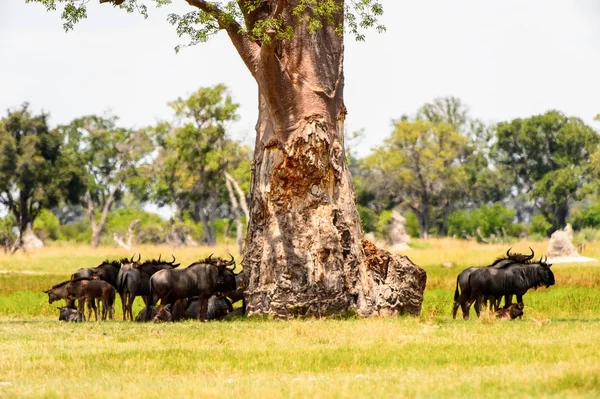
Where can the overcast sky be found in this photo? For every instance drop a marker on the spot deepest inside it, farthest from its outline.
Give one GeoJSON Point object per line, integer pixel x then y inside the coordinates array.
{"type": "Point", "coordinates": [504, 58]}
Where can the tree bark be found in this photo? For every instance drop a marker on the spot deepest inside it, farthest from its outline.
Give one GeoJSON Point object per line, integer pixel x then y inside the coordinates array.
{"type": "Point", "coordinates": [98, 227]}
{"type": "Point", "coordinates": [304, 254]}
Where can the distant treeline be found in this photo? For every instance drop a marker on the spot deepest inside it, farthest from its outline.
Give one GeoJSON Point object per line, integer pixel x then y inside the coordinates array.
{"type": "Point", "coordinates": [448, 173]}
{"type": "Point", "coordinates": [452, 175]}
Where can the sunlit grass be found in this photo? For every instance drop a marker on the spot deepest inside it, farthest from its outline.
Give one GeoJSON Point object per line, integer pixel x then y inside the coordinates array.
{"type": "Point", "coordinates": [552, 352]}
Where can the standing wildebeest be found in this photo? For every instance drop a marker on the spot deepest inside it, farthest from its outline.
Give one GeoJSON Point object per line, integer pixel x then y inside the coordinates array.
{"type": "Point", "coordinates": [134, 280]}
{"type": "Point", "coordinates": [516, 279]}
{"type": "Point", "coordinates": [462, 280]}
{"type": "Point", "coordinates": [201, 279]}
{"type": "Point", "coordinates": [87, 290]}
{"type": "Point", "coordinates": [59, 291]}
{"type": "Point", "coordinates": [106, 271]}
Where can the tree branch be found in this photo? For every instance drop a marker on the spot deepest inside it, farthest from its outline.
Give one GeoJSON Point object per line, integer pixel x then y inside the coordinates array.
{"type": "Point", "coordinates": [240, 193]}
{"type": "Point", "coordinates": [246, 48]}
{"type": "Point", "coordinates": [90, 208]}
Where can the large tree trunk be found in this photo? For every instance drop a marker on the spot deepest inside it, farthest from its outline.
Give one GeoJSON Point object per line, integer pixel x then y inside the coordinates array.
{"type": "Point", "coordinates": [304, 252]}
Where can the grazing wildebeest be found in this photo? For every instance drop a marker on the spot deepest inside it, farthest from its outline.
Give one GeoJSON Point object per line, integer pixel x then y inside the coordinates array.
{"type": "Point", "coordinates": [202, 279]}
{"type": "Point", "coordinates": [87, 290]}
{"type": "Point", "coordinates": [462, 280]}
{"type": "Point", "coordinates": [511, 312]}
{"type": "Point", "coordinates": [68, 314]}
{"type": "Point", "coordinates": [59, 291]}
{"type": "Point", "coordinates": [106, 271]}
{"type": "Point", "coordinates": [515, 279]}
{"type": "Point", "coordinates": [134, 280]}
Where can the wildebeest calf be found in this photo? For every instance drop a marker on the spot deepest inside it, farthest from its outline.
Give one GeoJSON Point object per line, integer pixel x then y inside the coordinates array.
{"type": "Point", "coordinates": [511, 312]}
{"type": "Point", "coordinates": [86, 290]}
{"type": "Point", "coordinates": [58, 292]}
{"type": "Point", "coordinates": [218, 307]}
{"type": "Point", "coordinates": [143, 316]}
{"type": "Point", "coordinates": [68, 314]}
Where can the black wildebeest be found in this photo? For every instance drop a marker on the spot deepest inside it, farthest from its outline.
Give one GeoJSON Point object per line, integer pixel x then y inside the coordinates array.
{"type": "Point", "coordinates": [201, 279]}
{"type": "Point", "coordinates": [134, 280]}
{"type": "Point", "coordinates": [218, 307]}
{"type": "Point", "coordinates": [462, 280]}
{"type": "Point", "coordinates": [515, 279]}
{"type": "Point", "coordinates": [106, 271]}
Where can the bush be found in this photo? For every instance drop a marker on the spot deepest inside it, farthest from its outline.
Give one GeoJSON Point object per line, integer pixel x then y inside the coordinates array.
{"type": "Point", "coordinates": [540, 226]}
{"type": "Point", "coordinates": [368, 218]}
{"type": "Point", "coordinates": [460, 224]}
{"type": "Point", "coordinates": [412, 225]}
{"type": "Point", "coordinates": [46, 225]}
{"type": "Point", "coordinates": [7, 236]}
{"type": "Point", "coordinates": [382, 222]}
{"type": "Point", "coordinates": [491, 221]}
{"type": "Point", "coordinates": [77, 232]}
{"type": "Point", "coordinates": [588, 217]}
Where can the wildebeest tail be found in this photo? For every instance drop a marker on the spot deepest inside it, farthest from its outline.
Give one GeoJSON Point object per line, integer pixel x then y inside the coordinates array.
{"type": "Point", "coordinates": [121, 281]}
{"type": "Point", "coordinates": [456, 291]}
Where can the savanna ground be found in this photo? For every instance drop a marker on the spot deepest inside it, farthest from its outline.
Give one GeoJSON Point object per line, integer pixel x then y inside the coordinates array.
{"type": "Point", "coordinates": [554, 351]}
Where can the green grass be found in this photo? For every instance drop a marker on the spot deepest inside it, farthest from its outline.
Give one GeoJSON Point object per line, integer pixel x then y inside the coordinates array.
{"type": "Point", "coordinates": [552, 352]}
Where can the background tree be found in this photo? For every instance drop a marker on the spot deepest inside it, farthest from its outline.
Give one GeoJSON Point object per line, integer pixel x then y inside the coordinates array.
{"type": "Point", "coordinates": [485, 183]}
{"type": "Point", "coordinates": [547, 157]}
{"type": "Point", "coordinates": [34, 174]}
{"type": "Point", "coordinates": [110, 156]}
{"type": "Point", "coordinates": [193, 154]}
{"type": "Point", "coordinates": [305, 254]}
{"type": "Point", "coordinates": [420, 160]}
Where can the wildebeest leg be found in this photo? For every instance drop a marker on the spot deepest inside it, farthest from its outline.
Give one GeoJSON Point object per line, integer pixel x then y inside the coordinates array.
{"type": "Point", "coordinates": [123, 296]}
{"type": "Point", "coordinates": [507, 300]}
{"type": "Point", "coordinates": [202, 308]}
{"type": "Point", "coordinates": [462, 299]}
{"type": "Point", "coordinates": [520, 300]}
{"type": "Point", "coordinates": [130, 306]}
{"type": "Point", "coordinates": [80, 308]}
{"type": "Point", "coordinates": [478, 302]}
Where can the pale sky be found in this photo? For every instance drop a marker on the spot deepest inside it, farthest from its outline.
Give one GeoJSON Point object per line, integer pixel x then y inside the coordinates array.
{"type": "Point", "coordinates": [504, 58]}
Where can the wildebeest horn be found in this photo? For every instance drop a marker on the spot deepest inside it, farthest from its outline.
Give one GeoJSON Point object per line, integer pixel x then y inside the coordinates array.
{"type": "Point", "coordinates": [530, 256]}
{"type": "Point", "coordinates": [139, 257]}
{"type": "Point", "coordinates": [159, 255]}
{"type": "Point", "coordinates": [210, 256]}
{"type": "Point", "coordinates": [47, 291]}
{"type": "Point", "coordinates": [508, 252]}
{"type": "Point", "coordinates": [231, 262]}
{"type": "Point", "coordinates": [131, 260]}
{"type": "Point", "coordinates": [173, 261]}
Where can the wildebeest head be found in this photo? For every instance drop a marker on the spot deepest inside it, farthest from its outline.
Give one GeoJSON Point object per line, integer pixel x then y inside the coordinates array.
{"type": "Point", "coordinates": [59, 291]}
{"type": "Point", "coordinates": [226, 279]}
{"type": "Point", "coordinates": [163, 314]}
{"type": "Point", "coordinates": [546, 275]}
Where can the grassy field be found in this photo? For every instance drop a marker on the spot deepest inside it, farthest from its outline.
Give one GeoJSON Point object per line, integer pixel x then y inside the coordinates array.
{"type": "Point", "coordinates": [553, 351]}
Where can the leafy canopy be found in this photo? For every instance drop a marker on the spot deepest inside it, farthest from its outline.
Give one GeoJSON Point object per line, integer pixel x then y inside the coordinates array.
{"type": "Point", "coordinates": [259, 20]}
{"type": "Point", "coordinates": [34, 173]}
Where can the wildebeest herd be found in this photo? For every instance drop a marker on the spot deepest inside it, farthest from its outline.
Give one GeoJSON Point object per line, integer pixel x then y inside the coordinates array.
{"type": "Point", "coordinates": [511, 275]}
{"type": "Point", "coordinates": [205, 290]}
